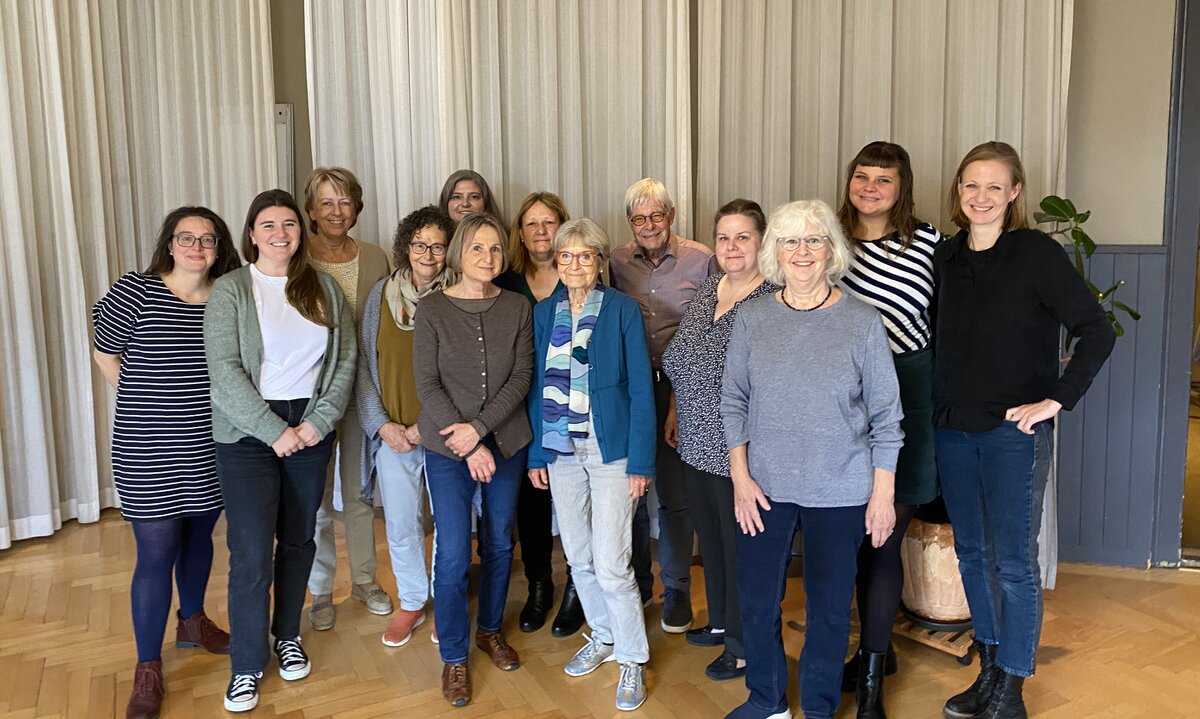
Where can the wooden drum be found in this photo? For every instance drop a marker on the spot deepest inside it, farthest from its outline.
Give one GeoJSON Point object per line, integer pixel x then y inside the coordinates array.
{"type": "Point", "coordinates": [933, 589]}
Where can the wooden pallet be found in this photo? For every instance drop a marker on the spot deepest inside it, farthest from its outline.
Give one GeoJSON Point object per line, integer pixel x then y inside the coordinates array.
{"type": "Point", "coordinates": [956, 643]}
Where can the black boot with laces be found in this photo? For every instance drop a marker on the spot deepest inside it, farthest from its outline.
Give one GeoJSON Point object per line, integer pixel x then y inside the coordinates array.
{"type": "Point", "coordinates": [971, 703]}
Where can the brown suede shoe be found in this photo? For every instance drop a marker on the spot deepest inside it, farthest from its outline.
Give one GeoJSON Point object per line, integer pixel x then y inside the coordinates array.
{"type": "Point", "coordinates": [148, 691]}
{"type": "Point", "coordinates": [502, 655]}
{"type": "Point", "coordinates": [199, 631]}
{"type": "Point", "coordinates": [456, 684]}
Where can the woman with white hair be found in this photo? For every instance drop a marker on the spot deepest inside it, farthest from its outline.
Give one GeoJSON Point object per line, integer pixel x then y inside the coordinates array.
{"type": "Point", "coordinates": [591, 408]}
{"type": "Point", "coordinates": [811, 410]}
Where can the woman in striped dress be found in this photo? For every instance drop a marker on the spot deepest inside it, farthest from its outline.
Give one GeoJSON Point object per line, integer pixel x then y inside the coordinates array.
{"type": "Point", "coordinates": [150, 347]}
{"type": "Point", "coordinates": [893, 272]}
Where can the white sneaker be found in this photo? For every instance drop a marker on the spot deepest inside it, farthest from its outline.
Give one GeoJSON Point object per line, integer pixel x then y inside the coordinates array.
{"type": "Point", "coordinates": [589, 658]}
{"type": "Point", "coordinates": [242, 694]}
{"type": "Point", "coordinates": [631, 687]}
{"type": "Point", "coordinates": [293, 662]}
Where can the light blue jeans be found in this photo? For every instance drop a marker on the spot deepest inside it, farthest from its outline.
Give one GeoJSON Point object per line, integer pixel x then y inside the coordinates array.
{"type": "Point", "coordinates": [595, 523]}
{"type": "Point", "coordinates": [400, 478]}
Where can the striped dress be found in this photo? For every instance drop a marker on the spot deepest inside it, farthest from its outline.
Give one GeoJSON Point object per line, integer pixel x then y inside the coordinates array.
{"type": "Point", "coordinates": [898, 283]}
{"type": "Point", "coordinates": [164, 460]}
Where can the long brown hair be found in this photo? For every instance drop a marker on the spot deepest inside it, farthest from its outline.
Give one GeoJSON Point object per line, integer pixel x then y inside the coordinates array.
{"type": "Point", "coordinates": [303, 289]}
{"type": "Point", "coordinates": [518, 256]}
{"type": "Point", "coordinates": [161, 262]}
{"type": "Point", "coordinates": [1014, 215]}
{"type": "Point", "coordinates": [889, 156]}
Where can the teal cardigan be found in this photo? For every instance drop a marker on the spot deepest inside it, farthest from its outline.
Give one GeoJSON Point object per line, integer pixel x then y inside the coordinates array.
{"type": "Point", "coordinates": [622, 394]}
{"type": "Point", "coordinates": [233, 345]}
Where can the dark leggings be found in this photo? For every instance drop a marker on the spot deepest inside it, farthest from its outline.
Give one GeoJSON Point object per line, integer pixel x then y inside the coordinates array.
{"type": "Point", "coordinates": [184, 545]}
{"type": "Point", "coordinates": [879, 581]}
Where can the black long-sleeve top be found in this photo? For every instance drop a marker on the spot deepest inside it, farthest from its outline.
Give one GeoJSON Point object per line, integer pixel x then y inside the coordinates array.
{"type": "Point", "coordinates": [997, 329]}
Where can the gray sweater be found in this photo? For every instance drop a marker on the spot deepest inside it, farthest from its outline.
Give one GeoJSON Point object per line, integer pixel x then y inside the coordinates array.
{"type": "Point", "coordinates": [815, 396]}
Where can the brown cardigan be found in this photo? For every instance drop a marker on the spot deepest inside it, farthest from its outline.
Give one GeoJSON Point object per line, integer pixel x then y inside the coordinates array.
{"type": "Point", "coordinates": [474, 368]}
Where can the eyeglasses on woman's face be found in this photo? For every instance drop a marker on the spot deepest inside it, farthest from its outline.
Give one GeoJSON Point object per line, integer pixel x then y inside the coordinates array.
{"type": "Point", "coordinates": [586, 258]}
{"type": "Point", "coordinates": [420, 248]}
{"type": "Point", "coordinates": [187, 239]}
{"type": "Point", "coordinates": [813, 243]}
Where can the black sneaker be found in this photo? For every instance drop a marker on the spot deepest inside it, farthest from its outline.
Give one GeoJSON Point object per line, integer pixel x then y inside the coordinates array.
{"type": "Point", "coordinates": [677, 612]}
{"type": "Point", "coordinates": [293, 662]}
{"type": "Point", "coordinates": [242, 694]}
{"type": "Point", "coordinates": [705, 636]}
{"type": "Point", "coordinates": [724, 667]}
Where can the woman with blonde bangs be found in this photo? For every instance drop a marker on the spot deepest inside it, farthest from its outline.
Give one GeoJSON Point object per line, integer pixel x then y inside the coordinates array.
{"type": "Point", "coordinates": [279, 340]}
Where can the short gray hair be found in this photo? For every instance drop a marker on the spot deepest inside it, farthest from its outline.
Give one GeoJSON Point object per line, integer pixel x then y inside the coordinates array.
{"type": "Point", "coordinates": [465, 232]}
{"type": "Point", "coordinates": [585, 232]}
{"type": "Point", "coordinates": [795, 218]}
{"type": "Point", "coordinates": [646, 190]}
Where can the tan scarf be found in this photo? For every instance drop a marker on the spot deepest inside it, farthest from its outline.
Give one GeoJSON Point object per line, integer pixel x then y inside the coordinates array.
{"type": "Point", "coordinates": [402, 294]}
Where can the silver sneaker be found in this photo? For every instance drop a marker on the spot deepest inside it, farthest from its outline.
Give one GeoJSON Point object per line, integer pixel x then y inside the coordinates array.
{"type": "Point", "coordinates": [377, 600]}
{"type": "Point", "coordinates": [588, 659]}
{"type": "Point", "coordinates": [631, 688]}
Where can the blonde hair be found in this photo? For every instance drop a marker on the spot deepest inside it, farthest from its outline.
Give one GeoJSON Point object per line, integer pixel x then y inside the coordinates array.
{"type": "Point", "coordinates": [646, 190]}
{"type": "Point", "coordinates": [465, 232]}
{"type": "Point", "coordinates": [1015, 217]}
{"type": "Point", "coordinates": [795, 218]}
{"type": "Point", "coordinates": [342, 180]}
{"type": "Point", "coordinates": [518, 255]}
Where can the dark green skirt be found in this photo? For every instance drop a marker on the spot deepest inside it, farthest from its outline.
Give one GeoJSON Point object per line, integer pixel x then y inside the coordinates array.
{"type": "Point", "coordinates": [916, 470]}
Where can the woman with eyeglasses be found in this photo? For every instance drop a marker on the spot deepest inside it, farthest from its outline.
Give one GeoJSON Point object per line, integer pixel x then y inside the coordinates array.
{"type": "Point", "coordinates": [279, 338]}
{"type": "Point", "coordinates": [333, 201]}
{"type": "Point", "coordinates": [811, 410]}
{"type": "Point", "coordinates": [393, 461]}
{"type": "Point", "coordinates": [532, 274]}
{"type": "Point", "coordinates": [150, 346]}
{"type": "Point", "coordinates": [695, 362]}
{"type": "Point", "coordinates": [892, 271]}
{"type": "Point", "coordinates": [591, 407]}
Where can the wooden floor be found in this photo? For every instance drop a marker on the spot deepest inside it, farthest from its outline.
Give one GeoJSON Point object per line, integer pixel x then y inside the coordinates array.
{"type": "Point", "coordinates": [1117, 643]}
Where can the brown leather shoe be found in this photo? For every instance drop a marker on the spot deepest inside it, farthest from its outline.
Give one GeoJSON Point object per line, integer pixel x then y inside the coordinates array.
{"type": "Point", "coordinates": [502, 655]}
{"type": "Point", "coordinates": [199, 631]}
{"type": "Point", "coordinates": [146, 699]}
{"type": "Point", "coordinates": [456, 684]}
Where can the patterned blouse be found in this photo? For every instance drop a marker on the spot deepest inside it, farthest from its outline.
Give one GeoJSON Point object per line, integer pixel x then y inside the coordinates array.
{"type": "Point", "coordinates": [695, 362]}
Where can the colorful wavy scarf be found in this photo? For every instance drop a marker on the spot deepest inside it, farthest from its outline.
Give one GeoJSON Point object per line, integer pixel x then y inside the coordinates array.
{"type": "Point", "coordinates": [566, 404]}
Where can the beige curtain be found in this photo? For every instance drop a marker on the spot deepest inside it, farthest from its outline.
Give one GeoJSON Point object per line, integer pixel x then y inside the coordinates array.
{"type": "Point", "coordinates": [788, 93]}
{"type": "Point", "coordinates": [578, 98]}
{"type": "Point", "coordinates": [111, 114]}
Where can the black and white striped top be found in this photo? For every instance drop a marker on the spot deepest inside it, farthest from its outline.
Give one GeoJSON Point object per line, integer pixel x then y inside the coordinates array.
{"type": "Point", "coordinates": [164, 459]}
{"type": "Point", "coordinates": [898, 283]}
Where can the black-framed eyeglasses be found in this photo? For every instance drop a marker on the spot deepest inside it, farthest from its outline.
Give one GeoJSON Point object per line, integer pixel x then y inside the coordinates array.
{"type": "Point", "coordinates": [814, 243]}
{"type": "Point", "coordinates": [419, 248]}
{"type": "Point", "coordinates": [655, 217]}
{"type": "Point", "coordinates": [586, 258]}
{"type": "Point", "coordinates": [187, 239]}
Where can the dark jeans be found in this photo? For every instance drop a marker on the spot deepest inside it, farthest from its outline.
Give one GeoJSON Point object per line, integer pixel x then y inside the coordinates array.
{"type": "Point", "coordinates": [450, 491]}
{"type": "Point", "coordinates": [271, 509]}
{"type": "Point", "coordinates": [181, 546]}
{"type": "Point", "coordinates": [711, 501]}
{"type": "Point", "coordinates": [832, 536]}
{"type": "Point", "coordinates": [994, 483]}
{"type": "Point", "coordinates": [674, 522]}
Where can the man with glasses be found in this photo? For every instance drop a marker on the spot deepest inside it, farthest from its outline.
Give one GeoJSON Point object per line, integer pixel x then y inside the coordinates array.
{"type": "Point", "coordinates": [662, 271]}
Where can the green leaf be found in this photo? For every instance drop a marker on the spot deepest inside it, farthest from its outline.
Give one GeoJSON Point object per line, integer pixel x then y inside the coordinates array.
{"type": "Point", "coordinates": [1082, 217]}
{"type": "Point", "coordinates": [1056, 208]}
{"type": "Point", "coordinates": [1127, 309]}
{"type": "Point", "coordinates": [1079, 237]}
{"type": "Point", "coordinates": [1118, 329]}
{"type": "Point", "coordinates": [1042, 218]}
{"type": "Point", "coordinates": [1110, 290]}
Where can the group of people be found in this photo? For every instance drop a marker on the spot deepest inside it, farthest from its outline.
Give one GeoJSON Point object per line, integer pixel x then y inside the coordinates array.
{"type": "Point", "coordinates": [822, 372]}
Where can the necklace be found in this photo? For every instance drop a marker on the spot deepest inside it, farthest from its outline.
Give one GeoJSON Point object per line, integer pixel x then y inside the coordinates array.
{"type": "Point", "coordinates": [828, 294]}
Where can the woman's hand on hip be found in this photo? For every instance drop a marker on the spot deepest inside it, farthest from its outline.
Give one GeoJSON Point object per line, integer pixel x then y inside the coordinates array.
{"type": "Point", "coordinates": [482, 465]}
{"type": "Point", "coordinates": [460, 438]}
{"type": "Point", "coordinates": [394, 436]}
{"type": "Point", "coordinates": [639, 484]}
{"type": "Point", "coordinates": [540, 478]}
{"type": "Point", "coordinates": [748, 498]}
{"type": "Point", "coordinates": [1028, 415]}
{"type": "Point", "coordinates": [288, 443]}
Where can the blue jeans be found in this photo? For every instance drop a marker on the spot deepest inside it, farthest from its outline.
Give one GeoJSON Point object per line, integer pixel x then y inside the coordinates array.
{"type": "Point", "coordinates": [450, 490]}
{"type": "Point", "coordinates": [832, 536]}
{"type": "Point", "coordinates": [994, 483]}
{"type": "Point", "coordinates": [271, 512]}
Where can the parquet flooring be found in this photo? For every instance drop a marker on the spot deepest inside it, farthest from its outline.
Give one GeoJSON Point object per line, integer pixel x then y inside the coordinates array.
{"type": "Point", "coordinates": [1117, 643]}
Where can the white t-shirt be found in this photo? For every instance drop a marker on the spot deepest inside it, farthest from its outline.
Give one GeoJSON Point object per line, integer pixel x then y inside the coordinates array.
{"type": "Point", "coordinates": [293, 347]}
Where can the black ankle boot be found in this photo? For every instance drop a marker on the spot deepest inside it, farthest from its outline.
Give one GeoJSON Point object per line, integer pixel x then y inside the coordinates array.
{"type": "Point", "coordinates": [570, 614]}
{"type": "Point", "coordinates": [850, 671]}
{"type": "Point", "coordinates": [869, 691]}
{"type": "Point", "coordinates": [541, 600]}
{"type": "Point", "coordinates": [1006, 700]}
{"type": "Point", "coordinates": [971, 703]}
